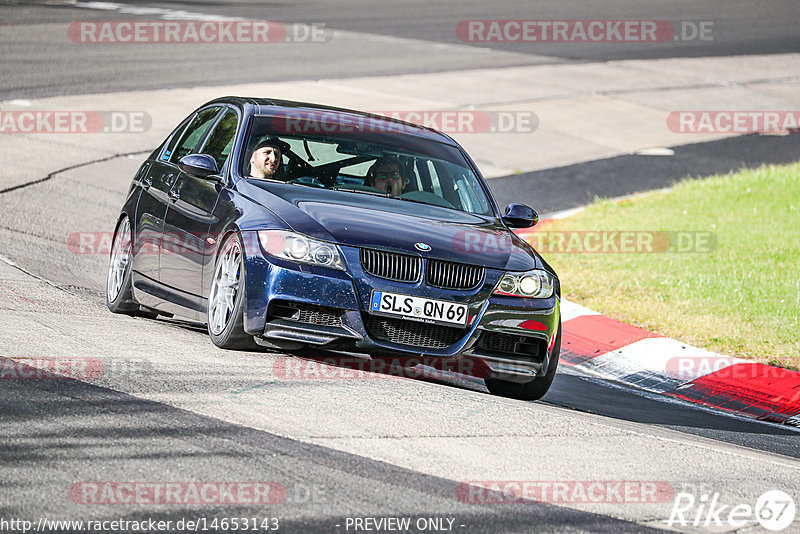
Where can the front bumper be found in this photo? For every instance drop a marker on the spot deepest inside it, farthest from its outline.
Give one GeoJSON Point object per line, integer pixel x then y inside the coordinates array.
{"type": "Point", "coordinates": [507, 337]}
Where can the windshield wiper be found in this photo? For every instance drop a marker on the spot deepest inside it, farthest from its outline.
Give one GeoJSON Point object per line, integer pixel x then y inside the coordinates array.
{"type": "Point", "coordinates": [373, 193]}
{"type": "Point", "coordinates": [415, 201]}
{"type": "Point", "coordinates": [387, 195]}
{"type": "Point", "coordinates": [428, 204]}
{"type": "Point", "coordinates": [289, 182]}
{"type": "Point", "coordinates": [273, 180]}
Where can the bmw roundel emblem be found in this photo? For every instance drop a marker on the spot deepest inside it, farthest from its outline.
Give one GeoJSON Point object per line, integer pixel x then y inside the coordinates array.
{"type": "Point", "coordinates": [424, 247]}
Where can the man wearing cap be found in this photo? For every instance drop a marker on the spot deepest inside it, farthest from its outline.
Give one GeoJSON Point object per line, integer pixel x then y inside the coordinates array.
{"type": "Point", "coordinates": [267, 158]}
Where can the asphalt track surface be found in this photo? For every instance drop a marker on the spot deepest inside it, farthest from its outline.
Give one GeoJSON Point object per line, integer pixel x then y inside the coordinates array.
{"type": "Point", "coordinates": [150, 436]}
{"type": "Point", "coordinates": [409, 37]}
{"type": "Point", "coordinates": [57, 432]}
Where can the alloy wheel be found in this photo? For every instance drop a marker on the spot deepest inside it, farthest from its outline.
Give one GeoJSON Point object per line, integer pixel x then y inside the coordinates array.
{"type": "Point", "coordinates": [224, 287]}
{"type": "Point", "coordinates": [120, 259]}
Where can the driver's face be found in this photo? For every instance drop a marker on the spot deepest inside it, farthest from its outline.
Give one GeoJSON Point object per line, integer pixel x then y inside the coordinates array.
{"type": "Point", "coordinates": [388, 178]}
{"type": "Point", "coordinates": [265, 162]}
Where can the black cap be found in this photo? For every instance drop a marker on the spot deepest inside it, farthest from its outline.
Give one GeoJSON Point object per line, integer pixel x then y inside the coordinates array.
{"type": "Point", "coordinates": [273, 142]}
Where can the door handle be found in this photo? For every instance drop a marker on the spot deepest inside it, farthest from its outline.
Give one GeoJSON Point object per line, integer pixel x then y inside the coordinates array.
{"type": "Point", "coordinates": [146, 183]}
{"type": "Point", "coordinates": [174, 194]}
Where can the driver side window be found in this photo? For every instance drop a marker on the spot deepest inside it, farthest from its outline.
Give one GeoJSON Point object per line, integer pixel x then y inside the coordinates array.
{"type": "Point", "coordinates": [220, 142]}
{"type": "Point", "coordinates": [194, 132]}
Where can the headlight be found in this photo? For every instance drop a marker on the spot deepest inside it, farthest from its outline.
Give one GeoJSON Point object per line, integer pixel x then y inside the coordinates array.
{"type": "Point", "coordinates": [534, 284]}
{"type": "Point", "coordinates": [299, 248]}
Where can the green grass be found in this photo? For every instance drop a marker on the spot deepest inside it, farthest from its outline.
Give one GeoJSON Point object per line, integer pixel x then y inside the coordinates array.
{"type": "Point", "coordinates": [742, 298]}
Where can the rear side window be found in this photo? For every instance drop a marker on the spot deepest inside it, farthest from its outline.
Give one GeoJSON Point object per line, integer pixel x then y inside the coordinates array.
{"type": "Point", "coordinates": [197, 128]}
{"type": "Point", "coordinates": [220, 142]}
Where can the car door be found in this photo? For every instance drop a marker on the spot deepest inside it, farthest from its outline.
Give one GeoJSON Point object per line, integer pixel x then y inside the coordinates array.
{"type": "Point", "coordinates": [187, 245]}
{"type": "Point", "coordinates": [152, 207]}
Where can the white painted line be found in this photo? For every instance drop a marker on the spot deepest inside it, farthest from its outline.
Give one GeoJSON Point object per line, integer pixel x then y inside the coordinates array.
{"type": "Point", "coordinates": [180, 15]}
{"type": "Point", "coordinates": [659, 364]}
{"type": "Point", "coordinates": [596, 378]}
{"type": "Point", "coordinates": [570, 310]}
{"type": "Point", "coordinates": [563, 214]}
{"type": "Point", "coordinates": [655, 151]}
{"type": "Point", "coordinates": [163, 14]}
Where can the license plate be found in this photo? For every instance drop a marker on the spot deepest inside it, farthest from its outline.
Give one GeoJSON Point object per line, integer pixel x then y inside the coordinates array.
{"type": "Point", "coordinates": [418, 308]}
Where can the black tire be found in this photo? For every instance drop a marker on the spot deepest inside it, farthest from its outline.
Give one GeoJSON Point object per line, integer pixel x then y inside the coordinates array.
{"type": "Point", "coordinates": [533, 390]}
{"type": "Point", "coordinates": [121, 300]}
{"type": "Point", "coordinates": [232, 336]}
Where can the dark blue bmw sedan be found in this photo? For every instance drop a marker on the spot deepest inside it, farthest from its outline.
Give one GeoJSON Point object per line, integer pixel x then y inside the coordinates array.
{"type": "Point", "coordinates": [292, 225]}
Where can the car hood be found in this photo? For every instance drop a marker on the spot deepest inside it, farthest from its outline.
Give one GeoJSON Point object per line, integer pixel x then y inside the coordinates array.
{"type": "Point", "coordinates": [368, 221]}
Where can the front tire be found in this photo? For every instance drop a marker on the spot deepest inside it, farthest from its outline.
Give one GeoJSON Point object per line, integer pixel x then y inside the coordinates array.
{"type": "Point", "coordinates": [533, 390]}
{"type": "Point", "coordinates": [119, 297]}
{"type": "Point", "coordinates": [226, 298]}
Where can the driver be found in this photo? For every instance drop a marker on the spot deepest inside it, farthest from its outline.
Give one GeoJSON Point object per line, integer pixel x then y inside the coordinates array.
{"type": "Point", "coordinates": [386, 174]}
{"type": "Point", "coordinates": [267, 158]}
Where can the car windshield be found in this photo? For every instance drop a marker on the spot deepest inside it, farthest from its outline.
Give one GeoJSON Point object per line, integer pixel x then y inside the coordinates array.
{"type": "Point", "coordinates": [388, 164]}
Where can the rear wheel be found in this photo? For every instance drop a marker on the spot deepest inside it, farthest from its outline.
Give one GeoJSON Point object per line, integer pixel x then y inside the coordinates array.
{"type": "Point", "coordinates": [534, 390]}
{"type": "Point", "coordinates": [119, 297]}
{"type": "Point", "coordinates": [226, 298]}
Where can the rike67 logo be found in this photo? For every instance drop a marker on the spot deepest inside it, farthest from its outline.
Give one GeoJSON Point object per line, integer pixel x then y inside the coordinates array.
{"type": "Point", "coordinates": [773, 510]}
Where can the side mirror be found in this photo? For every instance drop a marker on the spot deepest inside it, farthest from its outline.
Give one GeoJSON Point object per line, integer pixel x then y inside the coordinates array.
{"type": "Point", "coordinates": [520, 216]}
{"type": "Point", "coordinates": [200, 166]}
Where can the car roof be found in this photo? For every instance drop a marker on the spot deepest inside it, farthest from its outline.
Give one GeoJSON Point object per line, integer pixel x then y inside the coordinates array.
{"type": "Point", "coordinates": [271, 106]}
